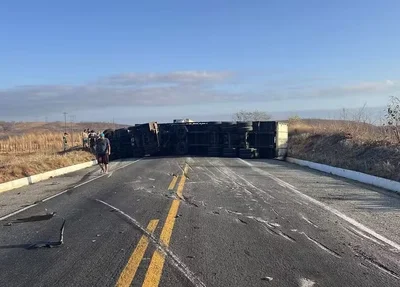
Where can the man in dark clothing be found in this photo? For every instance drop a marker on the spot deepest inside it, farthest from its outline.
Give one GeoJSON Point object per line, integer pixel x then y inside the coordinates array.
{"type": "Point", "coordinates": [103, 150]}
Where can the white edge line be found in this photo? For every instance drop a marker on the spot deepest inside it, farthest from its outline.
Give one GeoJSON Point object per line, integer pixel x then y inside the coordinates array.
{"type": "Point", "coordinates": [60, 193]}
{"type": "Point", "coordinates": [18, 211]}
{"type": "Point", "coordinates": [328, 208]}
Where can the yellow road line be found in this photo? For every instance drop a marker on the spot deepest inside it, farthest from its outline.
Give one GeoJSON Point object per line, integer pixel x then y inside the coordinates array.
{"type": "Point", "coordinates": [153, 274]}
{"type": "Point", "coordinates": [156, 266]}
{"type": "Point", "coordinates": [180, 186]}
{"type": "Point", "coordinates": [127, 275]}
{"type": "Point", "coordinates": [173, 183]}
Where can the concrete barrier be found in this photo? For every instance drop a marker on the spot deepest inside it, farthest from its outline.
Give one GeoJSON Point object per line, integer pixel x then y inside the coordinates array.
{"type": "Point", "coordinates": [6, 186]}
{"type": "Point", "coordinates": [350, 174]}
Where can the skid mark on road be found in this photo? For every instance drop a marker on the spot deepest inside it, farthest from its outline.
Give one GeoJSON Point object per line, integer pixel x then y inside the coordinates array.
{"type": "Point", "coordinates": [322, 246]}
{"type": "Point", "coordinates": [326, 207]}
{"type": "Point", "coordinates": [361, 234]}
{"type": "Point", "coordinates": [382, 268]}
{"type": "Point", "coordinates": [308, 221]}
{"type": "Point", "coordinates": [373, 262]}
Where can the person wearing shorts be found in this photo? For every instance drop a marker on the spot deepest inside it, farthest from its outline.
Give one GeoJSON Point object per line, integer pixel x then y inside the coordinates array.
{"type": "Point", "coordinates": [103, 150]}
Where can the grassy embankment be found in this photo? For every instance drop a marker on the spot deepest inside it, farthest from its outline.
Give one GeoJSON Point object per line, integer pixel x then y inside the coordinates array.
{"type": "Point", "coordinates": [351, 145]}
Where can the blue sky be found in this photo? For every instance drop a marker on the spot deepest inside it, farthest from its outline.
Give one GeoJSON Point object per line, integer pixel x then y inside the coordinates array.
{"type": "Point", "coordinates": [143, 60]}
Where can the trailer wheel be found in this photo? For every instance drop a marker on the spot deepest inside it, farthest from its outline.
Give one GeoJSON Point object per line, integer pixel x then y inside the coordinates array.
{"type": "Point", "coordinates": [181, 148]}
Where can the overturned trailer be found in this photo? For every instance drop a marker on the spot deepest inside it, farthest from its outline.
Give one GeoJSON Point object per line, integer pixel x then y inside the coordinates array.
{"type": "Point", "coordinates": [266, 139]}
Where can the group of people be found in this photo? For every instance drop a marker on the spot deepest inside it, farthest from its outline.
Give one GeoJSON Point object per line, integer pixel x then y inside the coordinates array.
{"type": "Point", "coordinates": [98, 144]}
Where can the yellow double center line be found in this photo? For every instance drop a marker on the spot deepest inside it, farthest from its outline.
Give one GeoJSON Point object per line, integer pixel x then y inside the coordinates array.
{"type": "Point", "coordinates": [127, 275]}
{"type": "Point", "coordinates": [154, 272]}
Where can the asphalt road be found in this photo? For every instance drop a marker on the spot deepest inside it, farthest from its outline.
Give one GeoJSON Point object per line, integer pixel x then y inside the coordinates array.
{"type": "Point", "coordinates": [199, 222]}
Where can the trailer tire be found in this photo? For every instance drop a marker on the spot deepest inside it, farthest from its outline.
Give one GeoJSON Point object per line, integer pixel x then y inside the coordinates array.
{"type": "Point", "coordinates": [181, 148]}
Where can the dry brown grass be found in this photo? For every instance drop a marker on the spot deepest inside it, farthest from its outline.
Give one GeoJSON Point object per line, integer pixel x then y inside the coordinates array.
{"type": "Point", "coordinates": [14, 166]}
{"type": "Point", "coordinates": [28, 148]}
{"type": "Point", "coordinates": [22, 128]}
{"type": "Point", "coordinates": [42, 142]}
{"type": "Point", "coordinates": [347, 144]}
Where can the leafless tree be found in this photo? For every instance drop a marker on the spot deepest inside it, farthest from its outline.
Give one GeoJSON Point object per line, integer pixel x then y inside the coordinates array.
{"type": "Point", "coordinates": [393, 116]}
{"type": "Point", "coordinates": [244, 116]}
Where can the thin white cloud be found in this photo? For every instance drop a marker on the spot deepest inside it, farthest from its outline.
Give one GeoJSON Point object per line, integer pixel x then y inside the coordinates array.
{"type": "Point", "coordinates": [169, 89]}
{"type": "Point", "coordinates": [180, 77]}
{"type": "Point", "coordinates": [175, 88]}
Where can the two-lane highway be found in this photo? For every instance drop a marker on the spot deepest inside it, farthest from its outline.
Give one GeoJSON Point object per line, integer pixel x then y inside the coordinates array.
{"type": "Point", "coordinates": [200, 222]}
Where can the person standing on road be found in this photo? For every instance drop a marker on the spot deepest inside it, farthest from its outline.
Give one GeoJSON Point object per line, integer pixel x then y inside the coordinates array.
{"type": "Point", "coordinates": [65, 141]}
{"type": "Point", "coordinates": [92, 141]}
{"type": "Point", "coordinates": [103, 151]}
{"type": "Point", "coordinates": [85, 139]}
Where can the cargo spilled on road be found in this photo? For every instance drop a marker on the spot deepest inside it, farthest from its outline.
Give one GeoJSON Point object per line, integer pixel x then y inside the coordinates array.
{"type": "Point", "coordinates": [259, 139]}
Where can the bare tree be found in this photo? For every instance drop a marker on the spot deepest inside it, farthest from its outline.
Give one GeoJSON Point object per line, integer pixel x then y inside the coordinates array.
{"type": "Point", "coordinates": [244, 116]}
{"type": "Point", "coordinates": [393, 116]}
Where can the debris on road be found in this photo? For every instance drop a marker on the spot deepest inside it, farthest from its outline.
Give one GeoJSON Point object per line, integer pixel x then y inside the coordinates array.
{"type": "Point", "coordinates": [267, 278]}
{"type": "Point", "coordinates": [47, 216]}
{"type": "Point", "coordinates": [242, 221]}
{"type": "Point", "coordinates": [50, 244]}
{"type": "Point", "coordinates": [165, 250]}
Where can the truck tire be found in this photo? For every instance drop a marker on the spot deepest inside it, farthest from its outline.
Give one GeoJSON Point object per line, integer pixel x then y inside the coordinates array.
{"type": "Point", "coordinates": [181, 148]}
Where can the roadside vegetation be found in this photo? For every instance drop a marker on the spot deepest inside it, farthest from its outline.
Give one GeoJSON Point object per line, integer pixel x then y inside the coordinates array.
{"type": "Point", "coordinates": [355, 142]}
{"type": "Point", "coordinates": [31, 148]}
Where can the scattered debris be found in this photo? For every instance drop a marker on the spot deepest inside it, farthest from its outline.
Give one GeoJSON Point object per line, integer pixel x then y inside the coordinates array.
{"type": "Point", "coordinates": [233, 212]}
{"type": "Point", "coordinates": [35, 218]}
{"type": "Point", "coordinates": [93, 240]}
{"type": "Point", "coordinates": [196, 227]}
{"type": "Point", "coordinates": [178, 215]}
{"type": "Point", "coordinates": [165, 250]}
{"type": "Point", "coordinates": [153, 186]}
{"type": "Point", "coordinates": [267, 278]}
{"type": "Point", "coordinates": [242, 221]}
{"type": "Point", "coordinates": [304, 282]}
{"type": "Point", "coordinates": [216, 212]}
{"type": "Point", "coordinates": [189, 256]}
{"type": "Point", "coordinates": [50, 244]}
{"type": "Point", "coordinates": [98, 235]}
